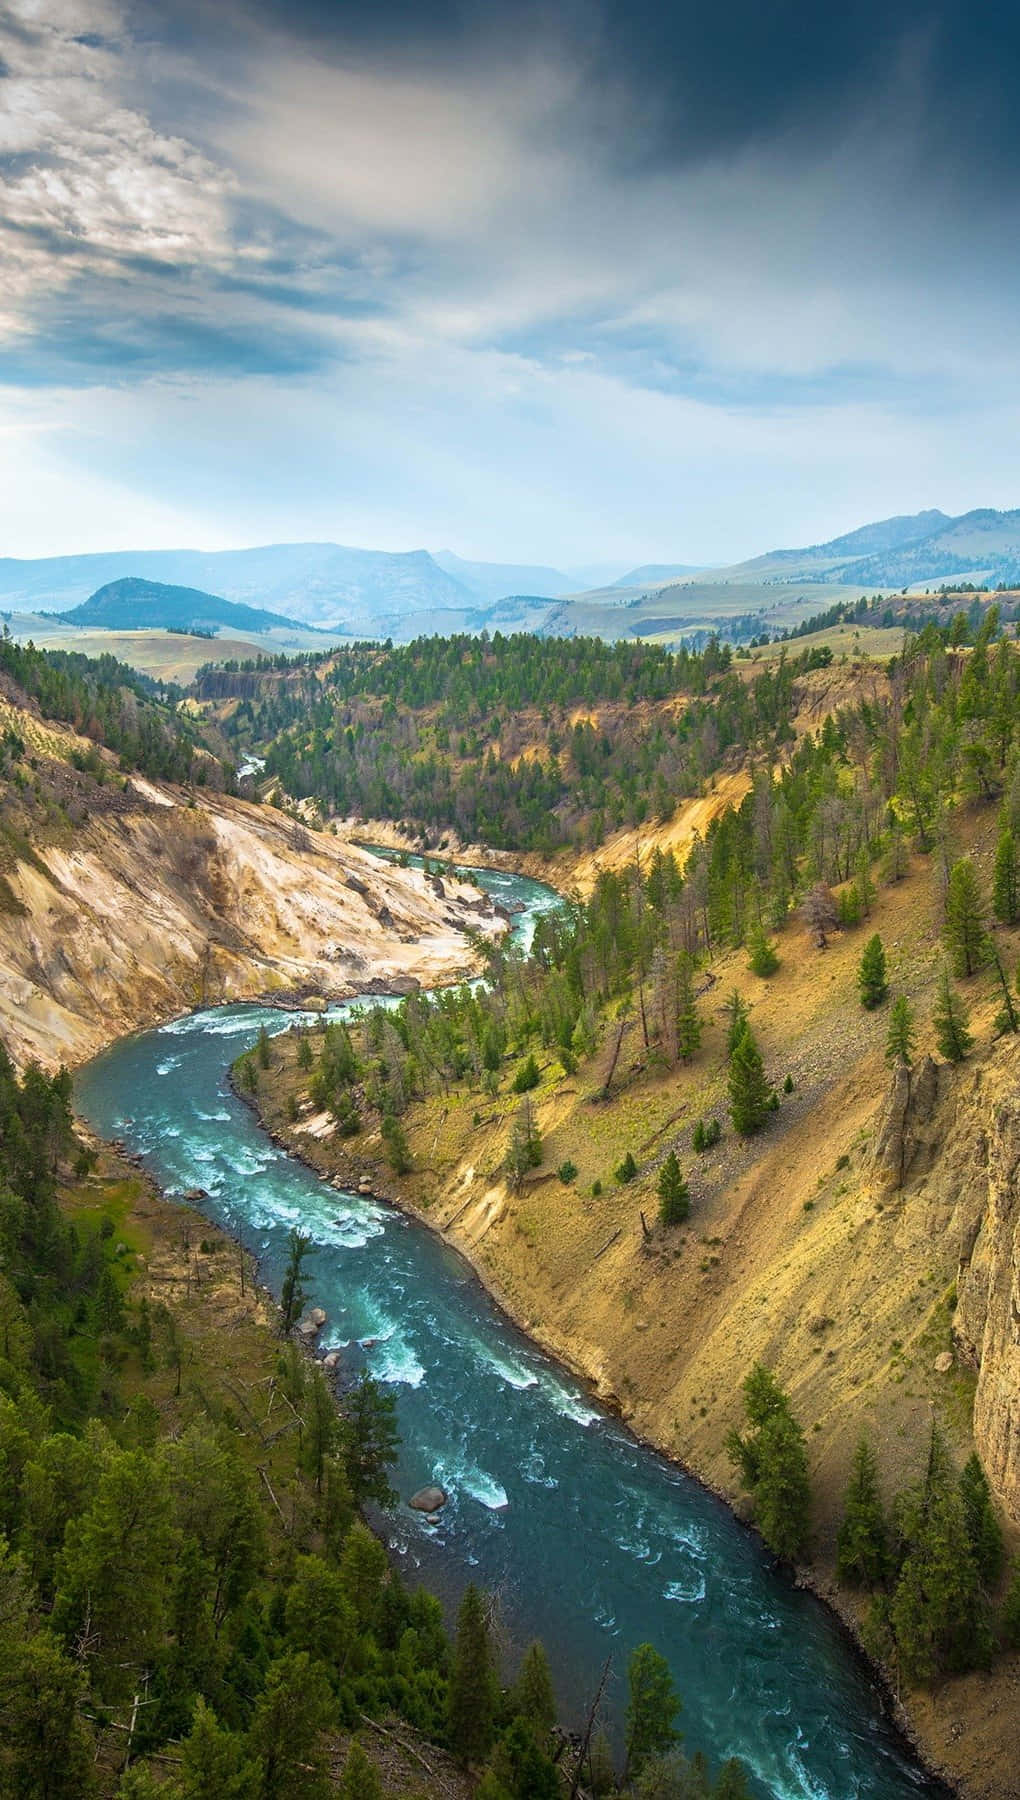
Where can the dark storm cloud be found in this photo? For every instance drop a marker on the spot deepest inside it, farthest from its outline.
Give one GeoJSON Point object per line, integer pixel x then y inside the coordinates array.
{"type": "Point", "coordinates": [558, 268]}
{"type": "Point", "coordinates": [705, 79]}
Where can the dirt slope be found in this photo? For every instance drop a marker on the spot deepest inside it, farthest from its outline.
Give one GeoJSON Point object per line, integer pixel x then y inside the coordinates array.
{"type": "Point", "coordinates": [801, 1251]}
{"type": "Point", "coordinates": [157, 900]}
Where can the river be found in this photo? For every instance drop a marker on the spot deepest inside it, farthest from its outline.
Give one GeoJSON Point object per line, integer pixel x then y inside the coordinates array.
{"type": "Point", "coordinates": [593, 1542]}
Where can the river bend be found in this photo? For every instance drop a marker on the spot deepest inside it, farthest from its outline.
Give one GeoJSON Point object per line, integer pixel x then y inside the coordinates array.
{"type": "Point", "coordinates": [593, 1542]}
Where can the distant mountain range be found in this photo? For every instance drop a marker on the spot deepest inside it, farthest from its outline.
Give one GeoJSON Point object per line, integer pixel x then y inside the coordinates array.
{"type": "Point", "coordinates": [360, 592]}
{"type": "Point", "coordinates": [489, 582]}
{"type": "Point", "coordinates": [903, 551]}
{"type": "Point", "coordinates": [134, 604]}
{"type": "Point", "coordinates": [381, 593]}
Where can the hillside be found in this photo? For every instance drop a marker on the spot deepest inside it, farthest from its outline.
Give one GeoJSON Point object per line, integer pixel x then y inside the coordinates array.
{"type": "Point", "coordinates": [517, 744]}
{"type": "Point", "coordinates": [846, 1236]}
{"type": "Point", "coordinates": [160, 1505]}
{"type": "Point", "coordinates": [805, 1249]}
{"type": "Point", "coordinates": [366, 593]}
{"type": "Point", "coordinates": [490, 581]}
{"type": "Point", "coordinates": [654, 574]}
{"type": "Point", "coordinates": [374, 593]}
{"type": "Point", "coordinates": [125, 898]}
{"type": "Point", "coordinates": [135, 604]}
{"type": "Point", "coordinates": [899, 552]}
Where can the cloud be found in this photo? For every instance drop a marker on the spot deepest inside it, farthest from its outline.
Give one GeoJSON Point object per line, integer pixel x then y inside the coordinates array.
{"type": "Point", "coordinates": [87, 186]}
{"type": "Point", "coordinates": [595, 279]}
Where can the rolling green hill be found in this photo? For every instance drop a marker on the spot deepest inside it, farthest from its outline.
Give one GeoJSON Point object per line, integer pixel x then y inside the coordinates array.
{"type": "Point", "coordinates": [134, 604]}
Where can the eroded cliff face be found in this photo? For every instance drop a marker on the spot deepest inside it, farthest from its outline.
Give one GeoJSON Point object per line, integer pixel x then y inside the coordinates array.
{"type": "Point", "coordinates": [166, 904]}
{"type": "Point", "coordinates": [988, 1316]}
{"type": "Point", "coordinates": [949, 1139]}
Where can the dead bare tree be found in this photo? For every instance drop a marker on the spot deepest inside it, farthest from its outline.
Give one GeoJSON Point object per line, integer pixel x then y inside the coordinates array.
{"type": "Point", "coordinates": [620, 1030]}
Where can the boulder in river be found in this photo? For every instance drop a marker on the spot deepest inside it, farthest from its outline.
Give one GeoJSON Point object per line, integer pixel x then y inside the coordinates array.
{"type": "Point", "coordinates": [428, 1499]}
{"type": "Point", "coordinates": [312, 1323]}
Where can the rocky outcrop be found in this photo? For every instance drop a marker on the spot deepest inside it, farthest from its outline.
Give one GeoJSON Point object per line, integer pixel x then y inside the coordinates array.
{"type": "Point", "coordinates": [909, 1130]}
{"type": "Point", "coordinates": [428, 1499]}
{"type": "Point", "coordinates": [164, 902]}
{"type": "Point", "coordinates": [988, 1314]}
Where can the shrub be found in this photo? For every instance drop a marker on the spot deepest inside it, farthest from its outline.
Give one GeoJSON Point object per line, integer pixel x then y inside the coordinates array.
{"type": "Point", "coordinates": [674, 1194]}
{"type": "Point", "coordinates": [527, 1077]}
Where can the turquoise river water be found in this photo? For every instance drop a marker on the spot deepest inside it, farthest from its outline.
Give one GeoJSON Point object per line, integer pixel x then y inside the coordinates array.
{"type": "Point", "coordinates": [593, 1542]}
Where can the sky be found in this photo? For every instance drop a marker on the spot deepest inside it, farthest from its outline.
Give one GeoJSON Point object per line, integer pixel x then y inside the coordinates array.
{"type": "Point", "coordinates": [564, 282]}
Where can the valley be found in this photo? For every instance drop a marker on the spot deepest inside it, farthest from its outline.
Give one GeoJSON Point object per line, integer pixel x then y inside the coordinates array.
{"type": "Point", "coordinates": [850, 1242]}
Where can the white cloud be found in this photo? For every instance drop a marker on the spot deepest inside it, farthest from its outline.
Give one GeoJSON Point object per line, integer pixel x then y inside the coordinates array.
{"type": "Point", "coordinates": [520, 391]}
{"type": "Point", "coordinates": [93, 184]}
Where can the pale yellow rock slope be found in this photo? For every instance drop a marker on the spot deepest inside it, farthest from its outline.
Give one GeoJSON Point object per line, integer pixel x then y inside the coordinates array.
{"type": "Point", "coordinates": [172, 901]}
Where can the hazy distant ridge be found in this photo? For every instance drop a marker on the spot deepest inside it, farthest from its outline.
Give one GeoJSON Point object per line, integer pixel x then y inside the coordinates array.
{"type": "Point", "coordinates": [381, 593]}
{"type": "Point", "coordinates": [134, 604]}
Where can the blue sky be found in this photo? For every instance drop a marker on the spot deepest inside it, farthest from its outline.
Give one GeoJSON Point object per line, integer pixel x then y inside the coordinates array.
{"type": "Point", "coordinates": [561, 282]}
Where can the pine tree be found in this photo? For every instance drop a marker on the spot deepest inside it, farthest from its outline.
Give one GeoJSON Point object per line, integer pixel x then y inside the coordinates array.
{"type": "Point", "coordinates": [292, 1292]}
{"type": "Point", "coordinates": [626, 1170]}
{"type": "Point", "coordinates": [46, 1747]}
{"type": "Point", "coordinates": [114, 1569]}
{"type": "Point", "coordinates": [773, 1464]}
{"type": "Point", "coordinates": [360, 1780]}
{"type": "Point", "coordinates": [370, 1440]}
{"type": "Point", "coordinates": [762, 958]}
{"type": "Point", "coordinates": [363, 1572]}
{"type": "Point", "coordinates": [894, 863]}
{"type": "Point", "coordinates": [864, 882]}
{"type": "Point", "coordinates": [732, 1782]}
{"type": "Point", "coordinates": [736, 1018]}
{"type": "Point", "coordinates": [1011, 1608]}
{"type": "Point", "coordinates": [688, 1019]}
{"type": "Point", "coordinates": [966, 932]}
{"type": "Point", "coordinates": [524, 1146]}
{"type": "Point", "coordinates": [1006, 880]}
{"type": "Point", "coordinates": [214, 1762]}
{"type": "Point", "coordinates": [1006, 1019]}
{"type": "Point", "coordinates": [951, 1019]}
{"type": "Point", "coordinates": [862, 1545]}
{"type": "Point", "coordinates": [398, 1152]}
{"type": "Point", "coordinates": [263, 1048]}
{"type": "Point", "coordinates": [602, 1766]}
{"type": "Point", "coordinates": [531, 1696]}
{"type": "Point", "coordinates": [871, 973]}
{"type": "Point", "coordinates": [520, 1768]}
{"type": "Point", "coordinates": [899, 1044]}
{"type": "Point", "coordinates": [472, 1693]}
{"type": "Point", "coordinates": [652, 1706]}
{"type": "Point", "coordinates": [782, 1494]}
{"type": "Point", "coordinates": [983, 1528]}
{"type": "Point", "coordinates": [291, 1714]}
{"type": "Point", "coordinates": [937, 1613]}
{"type": "Point", "coordinates": [318, 1612]}
{"type": "Point", "coordinates": [748, 1089]}
{"type": "Point", "coordinates": [674, 1194]}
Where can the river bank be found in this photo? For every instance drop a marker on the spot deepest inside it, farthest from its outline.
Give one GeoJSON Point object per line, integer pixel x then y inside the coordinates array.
{"type": "Point", "coordinates": [459, 1203]}
{"type": "Point", "coordinates": [163, 903]}
{"type": "Point", "coordinates": [517, 1446]}
{"type": "Point", "coordinates": [335, 1162]}
{"type": "Point", "coordinates": [532, 1251]}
